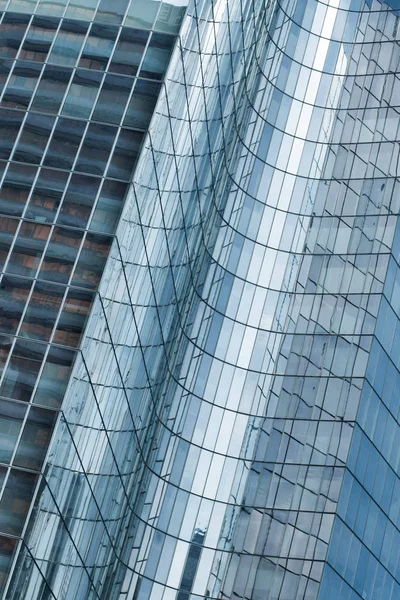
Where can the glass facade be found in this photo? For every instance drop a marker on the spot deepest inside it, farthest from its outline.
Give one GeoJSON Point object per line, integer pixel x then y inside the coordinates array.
{"type": "Point", "coordinates": [199, 300]}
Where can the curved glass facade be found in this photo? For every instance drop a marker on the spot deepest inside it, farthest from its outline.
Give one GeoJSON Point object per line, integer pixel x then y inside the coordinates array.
{"type": "Point", "coordinates": [199, 397]}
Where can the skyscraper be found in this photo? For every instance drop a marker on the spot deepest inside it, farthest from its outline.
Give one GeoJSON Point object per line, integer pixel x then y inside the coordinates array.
{"type": "Point", "coordinates": [199, 307]}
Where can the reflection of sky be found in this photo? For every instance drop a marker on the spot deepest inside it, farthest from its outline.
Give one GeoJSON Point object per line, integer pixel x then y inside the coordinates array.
{"type": "Point", "coordinates": [392, 3]}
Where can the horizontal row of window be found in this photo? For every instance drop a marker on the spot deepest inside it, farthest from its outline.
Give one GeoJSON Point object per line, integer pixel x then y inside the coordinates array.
{"type": "Point", "coordinates": [72, 45]}
{"type": "Point", "coordinates": [162, 16]}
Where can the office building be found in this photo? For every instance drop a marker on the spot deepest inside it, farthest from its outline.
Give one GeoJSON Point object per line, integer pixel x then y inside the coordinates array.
{"type": "Point", "coordinates": [199, 299]}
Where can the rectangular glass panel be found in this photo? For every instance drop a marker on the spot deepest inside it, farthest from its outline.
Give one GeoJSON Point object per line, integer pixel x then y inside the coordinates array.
{"type": "Point", "coordinates": [111, 12]}
{"type": "Point", "coordinates": [68, 43]}
{"type": "Point", "coordinates": [73, 318]}
{"type": "Point", "coordinates": [157, 57]}
{"type": "Point", "coordinates": [28, 249]}
{"type": "Point", "coordinates": [64, 144]}
{"type": "Point", "coordinates": [142, 13]}
{"type": "Point", "coordinates": [108, 207]}
{"type": "Point", "coordinates": [42, 311]}
{"type": "Point", "coordinates": [35, 438]}
{"type": "Point", "coordinates": [15, 189]}
{"type": "Point", "coordinates": [12, 31]}
{"type": "Point", "coordinates": [98, 47]}
{"type": "Point", "coordinates": [21, 84]}
{"type": "Point", "coordinates": [129, 51]}
{"type": "Point", "coordinates": [125, 154]}
{"type": "Point", "coordinates": [10, 122]}
{"type": "Point", "coordinates": [112, 99]}
{"type": "Point", "coordinates": [61, 254]}
{"type": "Point", "coordinates": [7, 550]}
{"type": "Point", "coordinates": [8, 228]}
{"type": "Point", "coordinates": [92, 260]}
{"type": "Point", "coordinates": [11, 416]}
{"type": "Point", "coordinates": [16, 501]}
{"type": "Point", "coordinates": [46, 195]}
{"type": "Point", "coordinates": [38, 39]}
{"type": "Point", "coordinates": [82, 94]}
{"type": "Point", "coordinates": [13, 295]}
{"type": "Point", "coordinates": [96, 149]}
{"type": "Point", "coordinates": [34, 137]}
{"type": "Point", "coordinates": [54, 378]}
{"type": "Point", "coordinates": [51, 90]}
{"type": "Point", "coordinates": [142, 104]}
{"type": "Point", "coordinates": [78, 202]}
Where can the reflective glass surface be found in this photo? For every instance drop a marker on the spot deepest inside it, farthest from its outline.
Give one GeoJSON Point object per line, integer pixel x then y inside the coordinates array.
{"type": "Point", "coordinates": [200, 297]}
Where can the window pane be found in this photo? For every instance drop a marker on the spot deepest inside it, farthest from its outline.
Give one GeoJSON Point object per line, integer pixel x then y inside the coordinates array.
{"type": "Point", "coordinates": [112, 99]}
{"type": "Point", "coordinates": [157, 56]}
{"type": "Point", "coordinates": [15, 189]}
{"type": "Point", "coordinates": [61, 254]}
{"type": "Point", "coordinates": [142, 104]}
{"type": "Point", "coordinates": [64, 144]}
{"type": "Point", "coordinates": [78, 202]}
{"type": "Point", "coordinates": [10, 122]}
{"type": "Point", "coordinates": [16, 501]}
{"type": "Point", "coordinates": [125, 154]}
{"type": "Point", "coordinates": [7, 549]}
{"type": "Point", "coordinates": [54, 378]}
{"type": "Point", "coordinates": [109, 206]}
{"type": "Point", "coordinates": [51, 90]}
{"type": "Point", "coordinates": [12, 31]}
{"type": "Point", "coordinates": [73, 318]}
{"type": "Point", "coordinates": [142, 13]}
{"type": "Point", "coordinates": [96, 149]}
{"type": "Point", "coordinates": [81, 9]}
{"type": "Point", "coordinates": [42, 311]}
{"type": "Point", "coordinates": [46, 195]}
{"type": "Point", "coordinates": [98, 47]}
{"type": "Point", "coordinates": [38, 39]}
{"type": "Point", "coordinates": [129, 51]}
{"type": "Point", "coordinates": [28, 249]}
{"type": "Point", "coordinates": [82, 94]}
{"type": "Point", "coordinates": [68, 43]}
{"type": "Point", "coordinates": [8, 228]}
{"type": "Point", "coordinates": [111, 12]}
{"type": "Point", "coordinates": [11, 417]}
{"type": "Point", "coordinates": [22, 370]}
{"type": "Point", "coordinates": [33, 140]}
{"type": "Point", "coordinates": [21, 85]}
{"type": "Point", "coordinates": [13, 295]}
{"type": "Point", "coordinates": [35, 438]}
{"type": "Point", "coordinates": [92, 260]}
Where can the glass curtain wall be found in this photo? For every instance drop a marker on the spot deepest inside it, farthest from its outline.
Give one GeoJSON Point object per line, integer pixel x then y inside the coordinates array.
{"type": "Point", "coordinates": [230, 426]}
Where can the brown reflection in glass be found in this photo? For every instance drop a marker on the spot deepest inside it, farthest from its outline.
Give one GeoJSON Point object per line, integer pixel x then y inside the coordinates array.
{"type": "Point", "coordinates": [13, 295]}
{"type": "Point", "coordinates": [55, 376]}
{"type": "Point", "coordinates": [92, 259]}
{"type": "Point", "coordinates": [42, 311]}
{"type": "Point", "coordinates": [35, 438]}
{"type": "Point", "coordinates": [16, 501]}
{"type": "Point", "coordinates": [61, 254]}
{"type": "Point", "coordinates": [28, 249]}
{"type": "Point", "coordinates": [8, 228]}
{"type": "Point", "coordinates": [73, 318]}
{"type": "Point", "coordinates": [46, 195]}
{"type": "Point", "coordinates": [38, 39]}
